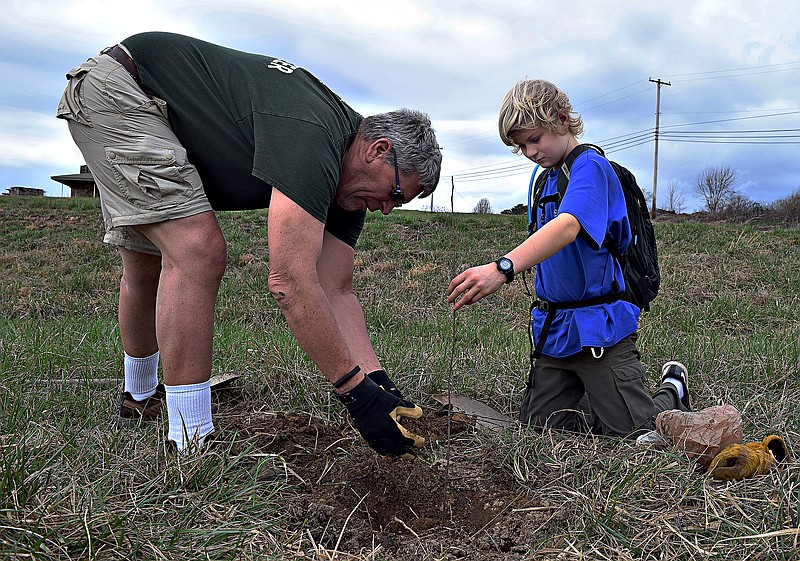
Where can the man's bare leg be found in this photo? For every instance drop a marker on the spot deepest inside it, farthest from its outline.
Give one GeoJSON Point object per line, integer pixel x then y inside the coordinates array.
{"type": "Point", "coordinates": [193, 259]}
{"type": "Point", "coordinates": [137, 302]}
{"type": "Point", "coordinates": [137, 321]}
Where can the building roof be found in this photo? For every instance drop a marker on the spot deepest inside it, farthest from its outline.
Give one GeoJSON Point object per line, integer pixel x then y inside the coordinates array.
{"type": "Point", "coordinates": [73, 178]}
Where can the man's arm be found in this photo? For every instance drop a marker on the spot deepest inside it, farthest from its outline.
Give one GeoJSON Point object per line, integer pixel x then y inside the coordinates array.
{"type": "Point", "coordinates": [335, 272]}
{"type": "Point", "coordinates": [296, 252]}
{"type": "Point", "coordinates": [295, 249]}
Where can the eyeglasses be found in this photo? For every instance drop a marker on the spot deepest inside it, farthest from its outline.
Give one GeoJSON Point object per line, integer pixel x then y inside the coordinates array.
{"type": "Point", "coordinates": [397, 193]}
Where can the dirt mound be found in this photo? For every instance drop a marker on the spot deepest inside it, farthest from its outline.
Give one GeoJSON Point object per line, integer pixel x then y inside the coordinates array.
{"type": "Point", "coordinates": [347, 498]}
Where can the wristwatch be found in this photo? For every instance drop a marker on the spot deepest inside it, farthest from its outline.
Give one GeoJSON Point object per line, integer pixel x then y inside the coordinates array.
{"type": "Point", "coordinates": [506, 266]}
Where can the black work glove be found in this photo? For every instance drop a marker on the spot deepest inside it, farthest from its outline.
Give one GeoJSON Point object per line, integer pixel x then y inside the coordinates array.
{"type": "Point", "coordinates": [382, 379]}
{"type": "Point", "coordinates": [375, 413]}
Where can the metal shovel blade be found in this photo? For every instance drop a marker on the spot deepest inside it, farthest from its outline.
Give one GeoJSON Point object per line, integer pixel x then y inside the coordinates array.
{"type": "Point", "coordinates": [219, 381]}
{"type": "Point", "coordinates": [486, 417]}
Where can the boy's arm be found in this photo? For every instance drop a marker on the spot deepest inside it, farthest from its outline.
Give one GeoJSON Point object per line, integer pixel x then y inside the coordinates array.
{"type": "Point", "coordinates": [477, 282]}
{"type": "Point", "coordinates": [546, 241]}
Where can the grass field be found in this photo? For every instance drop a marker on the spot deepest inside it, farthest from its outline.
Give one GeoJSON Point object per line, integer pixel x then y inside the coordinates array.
{"type": "Point", "coordinates": [72, 487]}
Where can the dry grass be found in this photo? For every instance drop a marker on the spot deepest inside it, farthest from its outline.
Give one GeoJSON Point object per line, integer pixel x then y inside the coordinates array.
{"type": "Point", "coordinates": [73, 488]}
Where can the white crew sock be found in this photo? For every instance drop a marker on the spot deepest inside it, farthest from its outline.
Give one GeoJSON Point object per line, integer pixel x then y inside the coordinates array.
{"type": "Point", "coordinates": [189, 412]}
{"type": "Point", "coordinates": [678, 385]}
{"type": "Point", "coordinates": [141, 376]}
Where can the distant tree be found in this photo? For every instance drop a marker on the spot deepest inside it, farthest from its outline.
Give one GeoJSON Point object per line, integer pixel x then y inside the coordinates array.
{"type": "Point", "coordinates": [439, 208]}
{"type": "Point", "coordinates": [715, 185]}
{"type": "Point", "coordinates": [516, 209]}
{"type": "Point", "coordinates": [676, 198]}
{"type": "Point", "coordinates": [648, 195]}
{"type": "Point", "coordinates": [483, 207]}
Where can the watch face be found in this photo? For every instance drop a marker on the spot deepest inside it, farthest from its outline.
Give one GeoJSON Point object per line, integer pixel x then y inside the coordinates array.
{"type": "Point", "coordinates": [505, 264]}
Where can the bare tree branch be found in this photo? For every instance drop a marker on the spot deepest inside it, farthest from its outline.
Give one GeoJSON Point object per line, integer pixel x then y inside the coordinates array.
{"type": "Point", "coordinates": [483, 207]}
{"type": "Point", "coordinates": [715, 185]}
{"type": "Point", "coordinates": [676, 198]}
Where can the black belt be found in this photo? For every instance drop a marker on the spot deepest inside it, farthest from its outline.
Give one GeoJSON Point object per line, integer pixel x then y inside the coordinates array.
{"type": "Point", "coordinates": [121, 56]}
{"type": "Point", "coordinates": [551, 307]}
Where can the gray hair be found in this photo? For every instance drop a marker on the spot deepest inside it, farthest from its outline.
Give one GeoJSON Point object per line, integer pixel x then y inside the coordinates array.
{"type": "Point", "coordinates": [533, 104]}
{"type": "Point", "coordinates": [414, 141]}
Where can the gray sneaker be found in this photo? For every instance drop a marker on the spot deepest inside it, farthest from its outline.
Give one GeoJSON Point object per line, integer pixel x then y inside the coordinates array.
{"type": "Point", "coordinates": [651, 438]}
{"type": "Point", "coordinates": [677, 371]}
{"type": "Point", "coordinates": [133, 413]}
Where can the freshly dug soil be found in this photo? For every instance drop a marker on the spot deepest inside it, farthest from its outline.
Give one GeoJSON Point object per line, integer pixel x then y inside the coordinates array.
{"type": "Point", "coordinates": [349, 499]}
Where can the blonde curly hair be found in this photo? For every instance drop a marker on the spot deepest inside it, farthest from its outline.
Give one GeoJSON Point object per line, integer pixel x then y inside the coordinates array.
{"type": "Point", "coordinates": [533, 104]}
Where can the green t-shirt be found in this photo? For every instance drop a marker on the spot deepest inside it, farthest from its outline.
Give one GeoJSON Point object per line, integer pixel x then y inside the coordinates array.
{"type": "Point", "coordinates": [249, 122]}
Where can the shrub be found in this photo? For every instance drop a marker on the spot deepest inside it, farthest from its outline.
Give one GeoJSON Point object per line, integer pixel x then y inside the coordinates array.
{"type": "Point", "coordinates": [739, 208]}
{"type": "Point", "coordinates": [787, 210]}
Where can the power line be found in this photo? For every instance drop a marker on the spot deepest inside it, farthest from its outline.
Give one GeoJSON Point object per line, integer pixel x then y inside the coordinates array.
{"type": "Point", "coordinates": [638, 138]}
{"type": "Point", "coordinates": [735, 69]}
{"type": "Point", "coordinates": [733, 119]}
{"type": "Point", "coordinates": [613, 101]}
{"type": "Point", "coordinates": [732, 142]}
{"type": "Point", "coordinates": [641, 137]}
{"type": "Point", "coordinates": [734, 131]}
{"type": "Point", "coordinates": [717, 73]}
{"type": "Point", "coordinates": [625, 146]}
{"type": "Point", "coordinates": [609, 93]}
{"type": "Point", "coordinates": [734, 111]}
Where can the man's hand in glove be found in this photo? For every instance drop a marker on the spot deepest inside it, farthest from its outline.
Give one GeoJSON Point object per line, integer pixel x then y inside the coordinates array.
{"type": "Point", "coordinates": [738, 461]}
{"type": "Point", "coordinates": [382, 379]}
{"type": "Point", "coordinates": [376, 412]}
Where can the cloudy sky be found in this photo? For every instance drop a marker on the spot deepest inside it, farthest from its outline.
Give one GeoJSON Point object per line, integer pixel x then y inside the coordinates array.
{"type": "Point", "coordinates": [733, 69]}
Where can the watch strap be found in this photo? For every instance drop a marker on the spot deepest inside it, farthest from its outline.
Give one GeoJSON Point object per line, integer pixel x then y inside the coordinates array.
{"type": "Point", "coordinates": [509, 273]}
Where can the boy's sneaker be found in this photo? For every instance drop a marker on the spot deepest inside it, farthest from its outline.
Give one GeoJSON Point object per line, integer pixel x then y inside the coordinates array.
{"type": "Point", "coordinates": [677, 371]}
{"type": "Point", "coordinates": [133, 413]}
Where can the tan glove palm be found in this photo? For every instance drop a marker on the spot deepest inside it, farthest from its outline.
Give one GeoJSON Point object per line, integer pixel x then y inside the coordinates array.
{"type": "Point", "coordinates": [409, 413]}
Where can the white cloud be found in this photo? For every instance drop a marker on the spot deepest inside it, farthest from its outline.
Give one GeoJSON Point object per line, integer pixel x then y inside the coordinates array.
{"type": "Point", "coordinates": [751, 32]}
{"type": "Point", "coordinates": [33, 139]}
{"type": "Point", "coordinates": [454, 59]}
{"type": "Point", "coordinates": [75, 23]}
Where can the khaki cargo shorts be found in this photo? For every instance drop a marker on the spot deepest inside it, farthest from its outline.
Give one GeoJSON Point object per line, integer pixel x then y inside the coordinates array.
{"type": "Point", "coordinates": [141, 170]}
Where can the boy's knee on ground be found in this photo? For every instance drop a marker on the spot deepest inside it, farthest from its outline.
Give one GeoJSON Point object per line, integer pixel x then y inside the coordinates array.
{"type": "Point", "coordinates": [623, 406]}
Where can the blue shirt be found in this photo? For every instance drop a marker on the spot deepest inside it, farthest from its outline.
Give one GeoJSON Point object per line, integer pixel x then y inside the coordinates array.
{"type": "Point", "coordinates": [584, 268]}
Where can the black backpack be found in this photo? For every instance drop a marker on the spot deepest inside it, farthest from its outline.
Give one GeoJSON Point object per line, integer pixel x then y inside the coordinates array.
{"type": "Point", "coordinates": [639, 263]}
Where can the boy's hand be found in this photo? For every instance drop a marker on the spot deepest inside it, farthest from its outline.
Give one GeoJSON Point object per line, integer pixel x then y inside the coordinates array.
{"type": "Point", "coordinates": [474, 284]}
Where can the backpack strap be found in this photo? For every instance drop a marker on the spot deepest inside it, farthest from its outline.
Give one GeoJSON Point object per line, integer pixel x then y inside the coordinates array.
{"type": "Point", "coordinates": [530, 197]}
{"type": "Point", "coordinates": [570, 159]}
{"type": "Point", "coordinates": [565, 168]}
{"type": "Point", "coordinates": [533, 201]}
{"type": "Point", "coordinates": [563, 180]}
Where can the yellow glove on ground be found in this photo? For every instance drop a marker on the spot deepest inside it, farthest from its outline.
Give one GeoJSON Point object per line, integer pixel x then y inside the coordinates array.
{"type": "Point", "coordinates": [738, 461]}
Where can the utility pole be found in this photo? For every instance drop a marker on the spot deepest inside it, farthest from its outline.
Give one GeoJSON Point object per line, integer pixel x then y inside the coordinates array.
{"type": "Point", "coordinates": [658, 83]}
